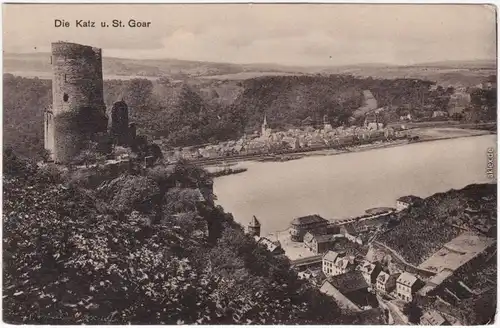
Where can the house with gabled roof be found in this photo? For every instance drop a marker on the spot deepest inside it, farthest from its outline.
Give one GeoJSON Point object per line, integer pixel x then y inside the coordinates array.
{"type": "Point", "coordinates": [319, 243]}
{"type": "Point", "coordinates": [386, 282]}
{"type": "Point", "coordinates": [343, 264]}
{"type": "Point", "coordinates": [329, 261]}
{"type": "Point", "coordinates": [351, 232]}
{"type": "Point", "coordinates": [350, 290]}
{"type": "Point", "coordinates": [273, 247]}
{"type": "Point", "coordinates": [370, 271]}
{"type": "Point", "coordinates": [406, 286]}
{"type": "Point", "coordinates": [406, 201]}
{"type": "Point", "coordinates": [301, 225]}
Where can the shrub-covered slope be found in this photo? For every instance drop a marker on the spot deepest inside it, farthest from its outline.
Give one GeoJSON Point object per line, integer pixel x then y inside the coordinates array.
{"type": "Point", "coordinates": [425, 227]}
{"type": "Point", "coordinates": [141, 250]}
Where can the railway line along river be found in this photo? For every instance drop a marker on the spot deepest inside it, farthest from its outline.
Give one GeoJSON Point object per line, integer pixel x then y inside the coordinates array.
{"type": "Point", "coordinates": [344, 185]}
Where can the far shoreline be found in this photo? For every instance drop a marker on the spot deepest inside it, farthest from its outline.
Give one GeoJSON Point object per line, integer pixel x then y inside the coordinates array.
{"type": "Point", "coordinates": [367, 147]}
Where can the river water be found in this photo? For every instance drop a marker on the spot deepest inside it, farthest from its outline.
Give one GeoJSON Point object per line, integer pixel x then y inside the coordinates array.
{"type": "Point", "coordinates": [345, 185]}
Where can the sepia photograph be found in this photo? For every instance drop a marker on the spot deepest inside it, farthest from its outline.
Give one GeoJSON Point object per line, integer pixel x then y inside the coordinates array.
{"type": "Point", "coordinates": [249, 164]}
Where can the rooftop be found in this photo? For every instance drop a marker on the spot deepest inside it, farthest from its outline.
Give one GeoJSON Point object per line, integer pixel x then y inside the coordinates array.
{"type": "Point", "coordinates": [348, 282]}
{"type": "Point", "coordinates": [432, 318]}
{"type": "Point", "coordinates": [383, 276]}
{"type": "Point", "coordinates": [326, 238]}
{"type": "Point", "coordinates": [368, 267]}
{"type": "Point", "coordinates": [270, 245]}
{"type": "Point", "coordinates": [407, 279]}
{"type": "Point", "coordinates": [344, 262]}
{"type": "Point", "coordinates": [254, 222]}
{"type": "Point", "coordinates": [309, 219]}
{"type": "Point", "coordinates": [331, 256]}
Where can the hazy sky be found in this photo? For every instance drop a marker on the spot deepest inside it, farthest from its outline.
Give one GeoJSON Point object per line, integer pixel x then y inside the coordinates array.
{"type": "Point", "coordinates": [313, 34]}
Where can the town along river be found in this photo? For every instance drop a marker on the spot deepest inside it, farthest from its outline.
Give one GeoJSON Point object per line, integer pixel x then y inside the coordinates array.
{"type": "Point", "coordinates": [345, 185]}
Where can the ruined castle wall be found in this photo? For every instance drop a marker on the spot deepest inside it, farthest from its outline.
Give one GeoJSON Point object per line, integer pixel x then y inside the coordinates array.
{"type": "Point", "coordinates": [78, 107]}
{"type": "Point", "coordinates": [119, 123]}
{"type": "Point", "coordinates": [48, 126]}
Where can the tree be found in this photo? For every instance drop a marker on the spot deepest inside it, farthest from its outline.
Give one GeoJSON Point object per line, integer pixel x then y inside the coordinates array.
{"type": "Point", "coordinates": [139, 93]}
{"type": "Point", "coordinates": [71, 258]}
{"type": "Point", "coordinates": [413, 312]}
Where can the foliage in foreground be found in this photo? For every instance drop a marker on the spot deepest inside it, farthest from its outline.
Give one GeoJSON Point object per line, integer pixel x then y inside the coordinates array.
{"type": "Point", "coordinates": [71, 258]}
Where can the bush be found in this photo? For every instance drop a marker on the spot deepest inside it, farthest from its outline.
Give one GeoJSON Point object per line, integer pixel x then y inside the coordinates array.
{"type": "Point", "coordinates": [68, 260]}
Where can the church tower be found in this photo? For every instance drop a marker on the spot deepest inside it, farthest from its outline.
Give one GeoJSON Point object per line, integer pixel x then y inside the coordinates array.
{"type": "Point", "coordinates": [327, 127]}
{"type": "Point", "coordinates": [264, 126]}
{"type": "Point", "coordinates": [254, 227]}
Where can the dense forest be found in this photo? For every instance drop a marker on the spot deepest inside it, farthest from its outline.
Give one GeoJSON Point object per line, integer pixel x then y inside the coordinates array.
{"type": "Point", "coordinates": [140, 248]}
{"type": "Point", "coordinates": [186, 113]}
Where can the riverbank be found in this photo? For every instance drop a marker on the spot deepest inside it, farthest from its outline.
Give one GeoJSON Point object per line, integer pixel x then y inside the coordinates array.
{"type": "Point", "coordinates": [227, 171]}
{"type": "Point", "coordinates": [279, 158]}
{"type": "Point", "coordinates": [423, 135]}
{"type": "Point", "coordinates": [340, 187]}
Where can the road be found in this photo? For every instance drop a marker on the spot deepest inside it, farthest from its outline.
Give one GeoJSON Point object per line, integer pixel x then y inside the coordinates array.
{"type": "Point", "coordinates": [398, 316]}
{"type": "Point", "coordinates": [307, 261]}
{"type": "Point", "coordinates": [402, 260]}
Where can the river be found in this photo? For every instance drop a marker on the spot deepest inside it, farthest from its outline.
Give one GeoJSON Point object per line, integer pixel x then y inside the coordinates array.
{"type": "Point", "coordinates": [345, 185]}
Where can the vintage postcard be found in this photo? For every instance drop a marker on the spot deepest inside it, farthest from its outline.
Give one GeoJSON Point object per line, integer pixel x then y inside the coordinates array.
{"type": "Point", "coordinates": [256, 164]}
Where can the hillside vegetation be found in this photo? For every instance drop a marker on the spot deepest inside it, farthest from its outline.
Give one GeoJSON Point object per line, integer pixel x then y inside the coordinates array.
{"type": "Point", "coordinates": [141, 249]}
{"type": "Point", "coordinates": [196, 112]}
{"type": "Point", "coordinates": [425, 227]}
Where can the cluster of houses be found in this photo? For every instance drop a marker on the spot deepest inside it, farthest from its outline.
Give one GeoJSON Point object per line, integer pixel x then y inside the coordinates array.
{"type": "Point", "coordinates": [320, 235]}
{"type": "Point", "coordinates": [347, 267]}
{"type": "Point", "coordinates": [306, 138]}
{"type": "Point", "coordinates": [345, 273]}
{"type": "Point", "coordinates": [358, 285]}
{"type": "Point", "coordinates": [365, 279]}
{"type": "Point", "coordinates": [317, 137]}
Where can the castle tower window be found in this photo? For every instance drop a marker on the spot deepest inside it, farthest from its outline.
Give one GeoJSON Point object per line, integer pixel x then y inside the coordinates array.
{"type": "Point", "coordinates": [65, 97]}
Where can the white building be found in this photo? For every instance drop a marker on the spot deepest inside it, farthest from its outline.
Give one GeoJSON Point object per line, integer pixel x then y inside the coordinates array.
{"type": "Point", "coordinates": [406, 201]}
{"type": "Point", "coordinates": [406, 286]}
{"type": "Point", "coordinates": [329, 262]}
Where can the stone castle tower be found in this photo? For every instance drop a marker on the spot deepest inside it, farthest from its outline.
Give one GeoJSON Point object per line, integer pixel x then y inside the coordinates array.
{"type": "Point", "coordinates": [254, 227]}
{"type": "Point", "coordinates": [78, 111]}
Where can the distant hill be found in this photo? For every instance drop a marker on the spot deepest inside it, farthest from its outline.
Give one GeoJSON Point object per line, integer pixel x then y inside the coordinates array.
{"type": "Point", "coordinates": [463, 64]}
{"type": "Point", "coordinates": [466, 73]}
{"type": "Point", "coordinates": [31, 65]}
